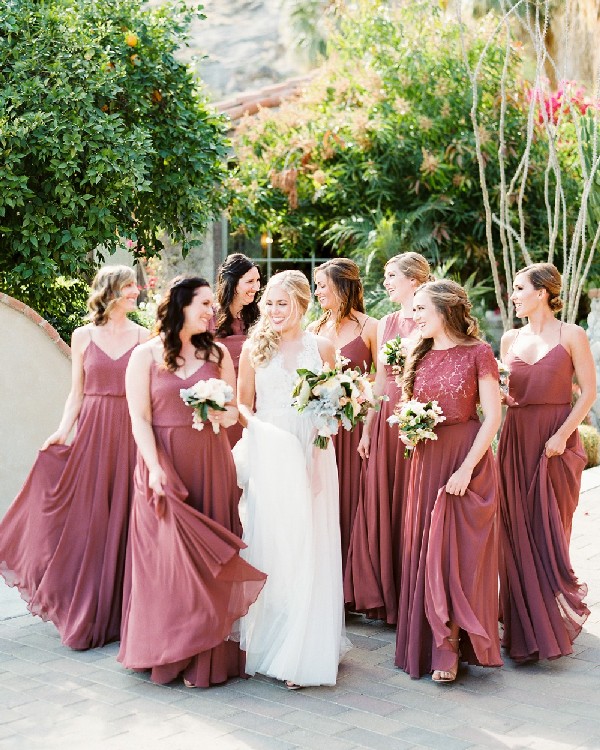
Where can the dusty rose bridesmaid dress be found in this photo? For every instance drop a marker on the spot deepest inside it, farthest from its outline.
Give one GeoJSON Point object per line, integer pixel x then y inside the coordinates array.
{"type": "Point", "coordinates": [346, 442]}
{"type": "Point", "coordinates": [188, 582]}
{"type": "Point", "coordinates": [63, 540]}
{"type": "Point", "coordinates": [372, 575]}
{"type": "Point", "coordinates": [450, 552]}
{"type": "Point", "coordinates": [541, 600]}
{"type": "Point", "coordinates": [234, 344]}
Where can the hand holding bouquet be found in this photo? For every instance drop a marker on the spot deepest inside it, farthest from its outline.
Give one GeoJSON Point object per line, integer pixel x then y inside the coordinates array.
{"type": "Point", "coordinates": [416, 421]}
{"type": "Point", "coordinates": [394, 353]}
{"type": "Point", "coordinates": [204, 395]}
{"type": "Point", "coordinates": [334, 396]}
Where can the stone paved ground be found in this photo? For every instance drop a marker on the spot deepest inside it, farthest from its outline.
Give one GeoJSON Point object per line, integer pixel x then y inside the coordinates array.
{"type": "Point", "coordinates": [51, 697]}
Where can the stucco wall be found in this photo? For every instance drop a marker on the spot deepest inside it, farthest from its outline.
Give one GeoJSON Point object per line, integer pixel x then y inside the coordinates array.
{"type": "Point", "coordinates": [35, 375]}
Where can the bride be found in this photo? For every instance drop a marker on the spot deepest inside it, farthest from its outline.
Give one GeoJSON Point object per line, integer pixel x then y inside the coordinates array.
{"type": "Point", "coordinates": [289, 507]}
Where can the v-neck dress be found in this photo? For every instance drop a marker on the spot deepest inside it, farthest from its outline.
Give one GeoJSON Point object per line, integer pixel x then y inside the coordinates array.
{"type": "Point", "coordinates": [541, 600]}
{"type": "Point", "coordinates": [63, 540]}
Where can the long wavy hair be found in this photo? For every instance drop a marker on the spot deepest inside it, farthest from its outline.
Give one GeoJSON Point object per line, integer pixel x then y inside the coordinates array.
{"type": "Point", "coordinates": [451, 301]}
{"type": "Point", "coordinates": [344, 276]}
{"type": "Point", "coordinates": [228, 276]}
{"type": "Point", "coordinates": [546, 276]}
{"type": "Point", "coordinates": [264, 341]}
{"type": "Point", "coordinates": [106, 290]}
{"type": "Point", "coordinates": [170, 319]}
{"type": "Point", "coordinates": [413, 266]}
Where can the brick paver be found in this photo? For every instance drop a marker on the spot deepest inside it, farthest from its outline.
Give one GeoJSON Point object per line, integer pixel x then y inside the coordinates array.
{"type": "Point", "coordinates": [54, 698]}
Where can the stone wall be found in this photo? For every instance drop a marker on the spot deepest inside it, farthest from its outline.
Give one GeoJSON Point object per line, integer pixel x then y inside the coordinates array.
{"type": "Point", "coordinates": [35, 378]}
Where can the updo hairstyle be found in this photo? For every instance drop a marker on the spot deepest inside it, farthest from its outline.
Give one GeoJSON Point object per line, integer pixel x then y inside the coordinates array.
{"type": "Point", "coordinates": [545, 276]}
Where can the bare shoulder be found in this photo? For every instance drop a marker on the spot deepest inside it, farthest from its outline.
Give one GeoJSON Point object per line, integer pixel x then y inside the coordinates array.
{"type": "Point", "coordinates": [148, 350]}
{"type": "Point", "coordinates": [509, 336]}
{"type": "Point", "coordinates": [573, 335]}
{"type": "Point", "coordinates": [143, 332]}
{"type": "Point", "coordinates": [370, 326]}
{"type": "Point", "coordinates": [326, 348]}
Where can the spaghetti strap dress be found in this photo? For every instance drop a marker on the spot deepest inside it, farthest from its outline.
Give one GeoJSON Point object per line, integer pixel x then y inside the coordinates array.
{"type": "Point", "coordinates": [63, 540]}
{"type": "Point", "coordinates": [188, 582]}
{"type": "Point", "coordinates": [234, 344]}
{"type": "Point", "coordinates": [541, 601]}
{"type": "Point", "coordinates": [349, 462]}
{"type": "Point", "coordinates": [373, 568]}
{"type": "Point", "coordinates": [450, 560]}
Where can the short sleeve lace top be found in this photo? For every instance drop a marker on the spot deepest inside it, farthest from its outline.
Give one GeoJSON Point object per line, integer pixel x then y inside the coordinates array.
{"type": "Point", "coordinates": [450, 377]}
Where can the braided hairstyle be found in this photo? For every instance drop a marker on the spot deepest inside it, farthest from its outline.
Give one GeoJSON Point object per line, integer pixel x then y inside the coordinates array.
{"type": "Point", "coordinates": [170, 319]}
{"type": "Point", "coordinates": [344, 276]}
{"type": "Point", "coordinates": [545, 276]}
{"type": "Point", "coordinates": [230, 272]}
{"type": "Point", "coordinates": [451, 301]}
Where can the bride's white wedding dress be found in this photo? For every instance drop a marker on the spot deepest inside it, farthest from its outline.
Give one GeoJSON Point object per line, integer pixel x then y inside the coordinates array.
{"type": "Point", "coordinates": [290, 514]}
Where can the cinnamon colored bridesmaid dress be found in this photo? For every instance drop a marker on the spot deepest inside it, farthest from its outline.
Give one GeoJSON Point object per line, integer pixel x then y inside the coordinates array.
{"type": "Point", "coordinates": [234, 344]}
{"type": "Point", "coordinates": [372, 575]}
{"type": "Point", "coordinates": [450, 560]}
{"type": "Point", "coordinates": [63, 540]}
{"type": "Point", "coordinates": [541, 600]}
{"type": "Point", "coordinates": [188, 583]}
{"type": "Point", "coordinates": [349, 463]}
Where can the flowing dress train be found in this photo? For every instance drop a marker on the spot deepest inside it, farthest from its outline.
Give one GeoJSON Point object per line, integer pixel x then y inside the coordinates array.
{"type": "Point", "coordinates": [541, 600]}
{"type": "Point", "coordinates": [373, 568]}
{"type": "Point", "coordinates": [63, 540]}
{"type": "Point", "coordinates": [290, 514]}
{"type": "Point", "coordinates": [450, 561]}
{"type": "Point", "coordinates": [188, 582]}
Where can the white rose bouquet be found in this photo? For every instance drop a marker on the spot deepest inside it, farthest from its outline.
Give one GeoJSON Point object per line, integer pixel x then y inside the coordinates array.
{"type": "Point", "coordinates": [394, 353]}
{"type": "Point", "coordinates": [416, 422]}
{"type": "Point", "coordinates": [204, 395]}
{"type": "Point", "coordinates": [333, 397]}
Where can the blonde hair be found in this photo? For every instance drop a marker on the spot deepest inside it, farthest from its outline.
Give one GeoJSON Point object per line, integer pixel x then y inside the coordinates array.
{"type": "Point", "coordinates": [451, 301]}
{"type": "Point", "coordinates": [413, 266]}
{"type": "Point", "coordinates": [106, 290]}
{"type": "Point", "coordinates": [263, 340]}
{"type": "Point", "coordinates": [545, 276]}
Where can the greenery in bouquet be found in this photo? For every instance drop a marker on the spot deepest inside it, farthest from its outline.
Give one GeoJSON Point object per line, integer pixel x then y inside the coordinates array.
{"type": "Point", "coordinates": [394, 354]}
{"type": "Point", "coordinates": [213, 394]}
{"type": "Point", "coordinates": [416, 421]}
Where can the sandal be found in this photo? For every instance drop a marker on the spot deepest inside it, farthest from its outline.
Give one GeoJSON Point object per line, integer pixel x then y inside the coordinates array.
{"type": "Point", "coordinates": [447, 675]}
{"type": "Point", "coordinates": [292, 685]}
{"type": "Point", "coordinates": [189, 684]}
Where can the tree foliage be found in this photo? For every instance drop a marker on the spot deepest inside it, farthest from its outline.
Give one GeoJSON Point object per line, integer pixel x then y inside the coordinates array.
{"type": "Point", "coordinates": [382, 137]}
{"type": "Point", "coordinates": [104, 137]}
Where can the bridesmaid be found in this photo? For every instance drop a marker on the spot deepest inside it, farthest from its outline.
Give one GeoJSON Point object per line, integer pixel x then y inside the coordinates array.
{"type": "Point", "coordinates": [238, 282]}
{"type": "Point", "coordinates": [63, 539]}
{"type": "Point", "coordinates": [372, 576]}
{"type": "Point", "coordinates": [188, 579]}
{"type": "Point", "coordinates": [449, 589]}
{"type": "Point", "coordinates": [540, 460]}
{"type": "Point", "coordinates": [340, 294]}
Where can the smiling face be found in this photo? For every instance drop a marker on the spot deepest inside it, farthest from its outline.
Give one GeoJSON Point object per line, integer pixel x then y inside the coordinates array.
{"type": "Point", "coordinates": [525, 297]}
{"type": "Point", "coordinates": [279, 309]}
{"type": "Point", "coordinates": [199, 313]}
{"type": "Point", "coordinates": [128, 296]}
{"type": "Point", "coordinates": [430, 322]}
{"type": "Point", "coordinates": [396, 284]}
{"type": "Point", "coordinates": [325, 292]}
{"type": "Point", "coordinates": [247, 287]}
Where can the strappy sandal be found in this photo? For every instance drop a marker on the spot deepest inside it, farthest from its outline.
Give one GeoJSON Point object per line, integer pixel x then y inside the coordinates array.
{"type": "Point", "coordinates": [447, 675]}
{"type": "Point", "coordinates": [292, 685]}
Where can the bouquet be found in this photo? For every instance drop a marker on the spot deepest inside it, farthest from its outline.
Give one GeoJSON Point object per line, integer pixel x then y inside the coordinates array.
{"type": "Point", "coordinates": [503, 372]}
{"type": "Point", "coordinates": [416, 422]}
{"type": "Point", "coordinates": [333, 397]}
{"type": "Point", "coordinates": [394, 353]}
{"type": "Point", "coordinates": [204, 395]}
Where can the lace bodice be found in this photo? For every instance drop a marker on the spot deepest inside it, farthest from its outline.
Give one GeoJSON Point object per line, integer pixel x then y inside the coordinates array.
{"type": "Point", "coordinates": [275, 380]}
{"type": "Point", "coordinates": [450, 377]}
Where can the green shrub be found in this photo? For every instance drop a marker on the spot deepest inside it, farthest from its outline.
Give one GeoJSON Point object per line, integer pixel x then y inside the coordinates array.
{"type": "Point", "coordinates": [590, 437]}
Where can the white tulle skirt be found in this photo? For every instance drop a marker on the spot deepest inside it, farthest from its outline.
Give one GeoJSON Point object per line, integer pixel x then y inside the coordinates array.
{"type": "Point", "coordinates": [290, 514]}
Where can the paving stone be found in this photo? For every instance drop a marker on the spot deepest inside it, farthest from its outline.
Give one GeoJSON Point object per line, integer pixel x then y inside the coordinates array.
{"type": "Point", "coordinates": [307, 739]}
{"type": "Point", "coordinates": [365, 738]}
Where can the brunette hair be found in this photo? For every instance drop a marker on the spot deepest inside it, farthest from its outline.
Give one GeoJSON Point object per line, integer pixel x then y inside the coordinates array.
{"type": "Point", "coordinates": [545, 276]}
{"type": "Point", "coordinates": [451, 301]}
{"type": "Point", "coordinates": [264, 341]}
{"type": "Point", "coordinates": [230, 272]}
{"type": "Point", "coordinates": [106, 290]}
{"type": "Point", "coordinates": [170, 320]}
{"type": "Point", "coordinates": [413, 266]}
{"type": "Point", "coordinates": [344, 275]}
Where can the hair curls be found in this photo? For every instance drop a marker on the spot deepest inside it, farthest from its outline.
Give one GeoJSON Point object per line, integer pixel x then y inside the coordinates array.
{"type": "Point", "coordinates": [229, 274]}
{"type": "Point", "coordinates": [170, 319]}
{"type": "Point", "coordinates": [452, 303]}
{"type": "Point", "coordinates": [263, 340]}
{"type": "Point", "coordinates": [344, 276]}
{"type": "Point", "coordinates": [106, 290]}
{"type": "Point", "coordinates": [545, 276]}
